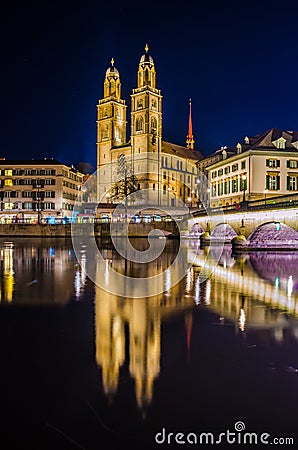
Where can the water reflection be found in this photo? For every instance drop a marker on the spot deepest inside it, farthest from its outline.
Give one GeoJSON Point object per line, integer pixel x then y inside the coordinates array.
{"type": "Point", "coordinates": [39, 272]}
{"type": "Point", "coordinates": [255, 292]}
{"type": "Point", "coordinates": [142, 319]}
{"type": "Point", "coordinates": [235, 292]}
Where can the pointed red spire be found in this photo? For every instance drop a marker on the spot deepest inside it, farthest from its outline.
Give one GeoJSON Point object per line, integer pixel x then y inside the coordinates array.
{"type": "Point", "coordinates": [189, 138]}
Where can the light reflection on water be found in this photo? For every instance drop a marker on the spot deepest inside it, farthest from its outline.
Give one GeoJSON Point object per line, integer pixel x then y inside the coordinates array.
{"type": "Point", "coordinates": [256, 291]}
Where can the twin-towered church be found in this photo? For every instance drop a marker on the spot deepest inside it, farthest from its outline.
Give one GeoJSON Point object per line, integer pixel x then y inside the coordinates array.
{"type": "Point", "coordinates": [156, 164]}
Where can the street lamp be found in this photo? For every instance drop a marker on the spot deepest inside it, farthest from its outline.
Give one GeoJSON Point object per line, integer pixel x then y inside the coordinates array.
{"type": "Point", "coordinates": [265, 194]}
{"type": "Point", "coordinates": [244, 186]}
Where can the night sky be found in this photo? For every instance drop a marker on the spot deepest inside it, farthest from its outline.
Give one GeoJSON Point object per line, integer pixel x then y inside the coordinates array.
{"type": "Point", "coordinates": [238, 61]}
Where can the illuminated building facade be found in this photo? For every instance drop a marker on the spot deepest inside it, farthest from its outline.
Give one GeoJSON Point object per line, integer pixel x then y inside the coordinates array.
{"type": "Point", "coordinates": [261, 167]}
{"type": "Point", "coordinates": [32, 188]}
{"type": "Point", "coordinates": [156, 164]}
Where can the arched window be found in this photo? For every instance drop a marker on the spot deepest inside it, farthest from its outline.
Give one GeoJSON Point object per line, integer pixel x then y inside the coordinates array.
{"type": "Point", "coordinates": [153, 124]}
{"type": "Point", "coordinates": [139, 124]}
{"type": "Point", "coordinates": [104, 133]}
{"type": "Point", "coordinates": [164, 188]}
{"type": "Point", "coordinates": [146, 78]}
{"type": "Point", "coordinates": [117, 114]}
{"type": "Point", "coordinates": [140, 104]}
{"type": "Point", "coordinates": [139, 186]}
{"type": "Point", "coordinates": [153, 105]}
{"type": "Point", "coordinates": [105, 113]}
{"type": "Point", "coordinates": [153, 186]}
{"type": "Point", "coordinates": [117, 134]}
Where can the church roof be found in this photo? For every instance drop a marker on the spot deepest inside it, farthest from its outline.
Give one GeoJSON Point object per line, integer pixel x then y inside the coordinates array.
{"type": "Point", "coordinates": [182, 152]}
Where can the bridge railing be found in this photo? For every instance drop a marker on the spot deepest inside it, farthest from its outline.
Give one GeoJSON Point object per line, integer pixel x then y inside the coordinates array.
{"type": "Point", "coordinates": [282, 201]}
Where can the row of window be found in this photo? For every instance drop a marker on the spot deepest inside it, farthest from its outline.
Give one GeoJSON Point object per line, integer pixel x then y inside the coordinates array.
{"type": "Point", "coordinates": [70, 185]}
{"type": "Point", "coordinates": [71, 175]}
{"type": "Point", "coordinates": [228, 169]}
{"type": "Point", "coordinates": [140, 104]}
{"type": "Point", "coordinates": [179, 164]}
{"type": "Point", "coordinates": [291, 164]}
{"type": "Point", "coordinates": [26, 194]}
{"type": "Point", "coordinates": [229, 186]}
{"type": "Point", "coordinates": [140, 124]}
{"type": "Point", "coordinates": [26, 172]}
{"type": "Point", "coordinates": [26, 182]}
{"type": "Point", "coordinates": [69, 196]}
{"type": "Point", "coordinates": [236, 185]}
{"type": "Point", "coordinates": [28, 205]}
{"type": "Point", "coordinates": [67, 206]}
{"type": "Point", "coordinates": [273, 182]}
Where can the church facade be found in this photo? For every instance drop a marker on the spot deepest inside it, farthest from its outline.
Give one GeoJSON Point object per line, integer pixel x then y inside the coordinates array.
{"type": "Point", "coordinates": [167, 172]}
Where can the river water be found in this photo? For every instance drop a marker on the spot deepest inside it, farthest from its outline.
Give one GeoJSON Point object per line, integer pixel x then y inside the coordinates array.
{"type": "Point", "coordinates": [83, 368]}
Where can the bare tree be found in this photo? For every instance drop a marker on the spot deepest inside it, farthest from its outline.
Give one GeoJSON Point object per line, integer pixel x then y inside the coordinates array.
{"type": "Point", "coordinates": [126, 183]}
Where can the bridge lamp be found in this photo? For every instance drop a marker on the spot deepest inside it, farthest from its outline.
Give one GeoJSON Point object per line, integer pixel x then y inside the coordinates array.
{"type": "Point", "coordinates": [243, 181]}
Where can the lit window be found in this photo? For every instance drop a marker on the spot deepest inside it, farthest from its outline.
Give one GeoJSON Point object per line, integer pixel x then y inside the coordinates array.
{"type": "Point", "coordinates": [8, 182]}
{"type": "Point", "coordinates": [292, 183]}
{"type": "Point", "coordinates": [272, 162]}
{"type": "Point", "coordinates": [9, 205]}
{"type": "Point", "coordinates": [272, 182]}
{"type": "Point", "coordinates": [292, 164]}
{"type": "Point", "coordinates": [8, 173]}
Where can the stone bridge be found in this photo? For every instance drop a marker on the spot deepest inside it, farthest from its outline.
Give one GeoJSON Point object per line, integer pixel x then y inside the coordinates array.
{"type": "Point", "coordinates": [272, 228]}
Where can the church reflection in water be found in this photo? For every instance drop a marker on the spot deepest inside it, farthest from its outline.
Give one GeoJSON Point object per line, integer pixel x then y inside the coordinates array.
{"type": "Point", "coordinates": [255, 292]}
{"type": "Point", "coordinates": [139, 321]}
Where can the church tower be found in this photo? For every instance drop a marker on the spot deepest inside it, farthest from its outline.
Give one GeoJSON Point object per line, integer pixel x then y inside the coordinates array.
{"type": "Point", "coordinates": [190, 142]}
{"type": "Point", "coordinates": [111, 124]}
{"type": "Point", "coordinates": [146, 109]}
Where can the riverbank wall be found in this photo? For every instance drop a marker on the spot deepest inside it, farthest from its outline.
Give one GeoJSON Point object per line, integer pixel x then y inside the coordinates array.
{"type": "Point", "coordinates": [97, 230]}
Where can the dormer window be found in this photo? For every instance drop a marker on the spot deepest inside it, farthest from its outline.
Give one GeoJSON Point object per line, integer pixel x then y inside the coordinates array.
{"type": "Point", "coordinates": [239, 148]}
{"type": "Point", "coordinates": [280, 143]}
{"type": "Point", "coordinates": [246, 140]}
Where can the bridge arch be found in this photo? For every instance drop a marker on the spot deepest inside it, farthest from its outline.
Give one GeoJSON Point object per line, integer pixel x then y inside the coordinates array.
{"type": "Point", "coordinates": [273, 234]}
{"type": "Point", "coordinates": [196, 230]}
{"type": "Point", "coordinates": [223, 232]}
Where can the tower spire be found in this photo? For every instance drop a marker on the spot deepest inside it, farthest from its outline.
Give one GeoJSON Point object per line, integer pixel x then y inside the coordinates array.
{"type": "Point", "coordinates": [189, 138]}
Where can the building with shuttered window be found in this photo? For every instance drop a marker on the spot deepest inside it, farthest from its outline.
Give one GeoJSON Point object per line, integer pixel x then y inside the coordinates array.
{"type": "Point", "coordinates": [262, 166]}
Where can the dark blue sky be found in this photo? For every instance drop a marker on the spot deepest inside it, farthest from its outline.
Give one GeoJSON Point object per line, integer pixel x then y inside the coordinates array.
{"type": "Point", "coordinates": [238, 61]}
